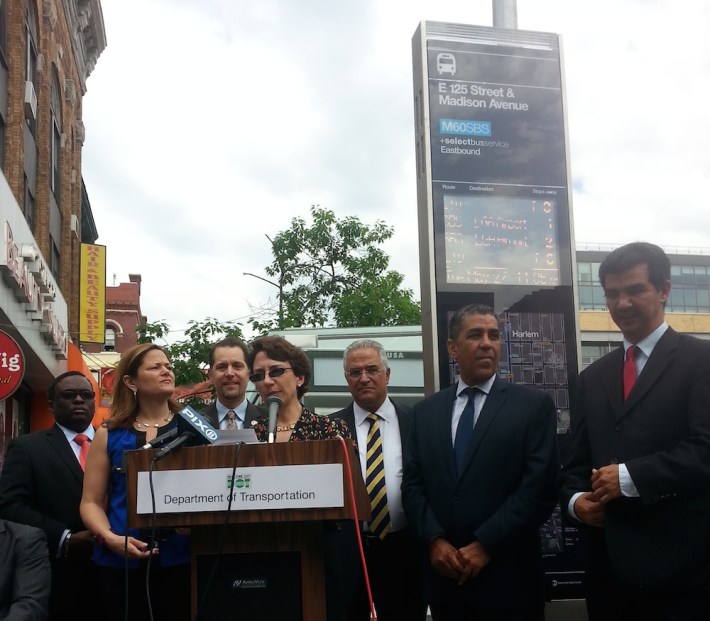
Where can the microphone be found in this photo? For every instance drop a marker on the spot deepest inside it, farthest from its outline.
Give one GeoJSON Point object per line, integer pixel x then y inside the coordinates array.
{"type": "Point", "coordinates": [274, 405]}
{"type": "Point", "coordinates": [161, 439]}
{"type": "Point", "coordinates": [193, 430]}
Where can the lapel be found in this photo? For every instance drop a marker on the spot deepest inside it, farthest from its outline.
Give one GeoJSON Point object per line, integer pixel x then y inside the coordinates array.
{"type": "Point", "coordinates": [58, 441]}
{"type": "Point", "coordinates": [494, 401]}
{"type": "Point", "coordinates": [662, 356]}
{"type": "Point", "coordinates": [613, 378]}
{"type": "Point", "coordinates": [441, 428]}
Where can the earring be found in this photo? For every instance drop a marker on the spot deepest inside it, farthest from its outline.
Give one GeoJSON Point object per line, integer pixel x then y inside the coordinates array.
{"type": "Point", "coordinates": [135, 394]}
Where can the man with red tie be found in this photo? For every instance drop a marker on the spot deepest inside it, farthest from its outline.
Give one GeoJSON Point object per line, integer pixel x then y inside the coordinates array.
{"type": "Point", "coordinates": [638, 473]}
{"type": "Point", "coordinates": [41, 486]}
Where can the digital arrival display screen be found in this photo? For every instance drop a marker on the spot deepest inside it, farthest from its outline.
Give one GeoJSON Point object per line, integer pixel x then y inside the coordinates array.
{"type": "Point", "coordinates": [500, 240]}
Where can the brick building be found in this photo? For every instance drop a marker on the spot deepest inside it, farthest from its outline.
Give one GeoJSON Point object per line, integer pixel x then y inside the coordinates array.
{"type": "Point", "coordinates": [48, 48]}
{"type": "Point", "coordinates": [123, 314]}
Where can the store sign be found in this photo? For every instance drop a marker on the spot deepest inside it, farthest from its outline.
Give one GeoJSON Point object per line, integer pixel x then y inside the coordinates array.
{"type": "Point", "coordinates": [29, 277]}
{"type": "Point", "coordinates": [12, 365]}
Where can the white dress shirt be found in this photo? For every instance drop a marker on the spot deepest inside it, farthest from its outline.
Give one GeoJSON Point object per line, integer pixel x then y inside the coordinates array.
{"type": "Point", "coordinates": [646, 347]}
{"type": "Point", "coordinates": [240, 411]}
{"type": "Point", "coordinates": [462, 400]}
{"type": "Point", "coordinates": [391, 454]}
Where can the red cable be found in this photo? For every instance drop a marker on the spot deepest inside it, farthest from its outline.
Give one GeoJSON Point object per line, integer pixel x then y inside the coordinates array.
{"type": "Point", "coordinates": [351, 489]}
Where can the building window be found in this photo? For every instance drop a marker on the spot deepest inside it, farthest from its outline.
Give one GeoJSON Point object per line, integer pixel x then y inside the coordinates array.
{"type": "Point", "coordinates": [591, 294]}
{"type": "Point", "coordinates": [110, 339]}
{"type": "Point", "coordinates": [690, 289]}
{"type": "Point", "coordinates": [3, 32]}
{"type": "Point", "coordinates": [31, 54]}
{"type": "Point", "coordinates": [56, 124]}
{"type": "Point", "coordinates": [55, 259]}
{"type": "Point", "coordinates": [28, 207]}
{"type": "Point", "coordinates": [593, 351]}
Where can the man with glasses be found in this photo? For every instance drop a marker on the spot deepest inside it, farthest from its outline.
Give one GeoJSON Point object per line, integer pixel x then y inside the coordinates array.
{"type": "Point", "coordinates": [41, 486]}
{"type": "Point", "coordinates": [393, 556]}
{"type": "Point", "coordinates": [229, 372]}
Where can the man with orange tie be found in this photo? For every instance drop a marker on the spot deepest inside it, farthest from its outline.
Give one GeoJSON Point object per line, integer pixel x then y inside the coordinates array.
{"type": "Point", "coordinates": [638, 474]}
{"type": "Point", "coordinates": [41, 486]}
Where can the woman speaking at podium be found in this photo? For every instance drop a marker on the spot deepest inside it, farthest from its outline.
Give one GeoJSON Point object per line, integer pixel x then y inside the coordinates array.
{"type": "Point", "coordinates": [280, 369]}
{"type": "Point", "coordinates": [142, 409]}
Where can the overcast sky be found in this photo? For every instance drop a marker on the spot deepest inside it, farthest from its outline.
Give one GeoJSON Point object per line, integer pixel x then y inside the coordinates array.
{"type": "Point", "coordinates": [211, 124]}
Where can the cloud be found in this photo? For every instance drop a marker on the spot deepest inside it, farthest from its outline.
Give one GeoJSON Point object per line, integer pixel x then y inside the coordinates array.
{"type": "Point", "coordinates": [212, 124]}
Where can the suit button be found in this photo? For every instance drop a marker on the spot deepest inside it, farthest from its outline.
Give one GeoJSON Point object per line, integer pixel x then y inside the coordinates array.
{"type": "Point", "coordinates": [619, 427]}
{"type": "Point", "coordinates": [456, 496]}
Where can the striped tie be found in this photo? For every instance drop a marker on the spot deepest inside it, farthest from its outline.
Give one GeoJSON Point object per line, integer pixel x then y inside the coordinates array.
{"type": "Point", "coordinates": [375, 480]}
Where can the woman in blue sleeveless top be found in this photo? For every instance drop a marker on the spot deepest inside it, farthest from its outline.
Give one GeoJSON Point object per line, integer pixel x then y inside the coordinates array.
{"type": "Point", "coordinates": [142, 408]}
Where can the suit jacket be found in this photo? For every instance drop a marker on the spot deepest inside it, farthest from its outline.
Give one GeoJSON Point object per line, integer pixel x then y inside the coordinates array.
{"type": "Point", "coordinates": [662, 434]}
{"type": "Point", "coordinates": [41, 485]}
{"type": "Point", "coordinates": [25, 576]}
{"type": "Point", "coordinates": [505, 492]}
{"type": "Point", "coordinates": [210, 413]}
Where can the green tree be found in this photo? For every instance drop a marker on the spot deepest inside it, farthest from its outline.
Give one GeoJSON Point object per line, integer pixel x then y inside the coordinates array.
{"type": "Point", "coordinates": [333, 271]}
{"type": "Point", "coordinates": [189, 356]}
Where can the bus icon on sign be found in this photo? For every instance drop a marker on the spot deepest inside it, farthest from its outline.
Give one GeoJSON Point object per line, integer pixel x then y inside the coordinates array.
{"type": "Point", "coordinates": [445, 63]}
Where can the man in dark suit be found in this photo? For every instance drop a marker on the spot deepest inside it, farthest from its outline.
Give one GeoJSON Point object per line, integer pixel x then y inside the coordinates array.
{"type": "Point", "coordinates": [41, 486]}
{"type": "Point", "coordinates": [394, 560]}
{"type": "Point", "coordinates": [638, 474]}
{"type": "Point", "coordinates": [480, 478]}
{"type": "Point", "coordinates": [229, 373]}
{"type": "Point", "coordinates": [25, 574]}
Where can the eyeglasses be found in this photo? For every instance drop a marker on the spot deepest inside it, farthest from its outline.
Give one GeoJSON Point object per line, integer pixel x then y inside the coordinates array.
{"type": "Point", "coordinates": [357, 373]}
{"type": "Point", "coordinates": [273, 373]}
{"type": "Point", "coordinates": [70, 395]}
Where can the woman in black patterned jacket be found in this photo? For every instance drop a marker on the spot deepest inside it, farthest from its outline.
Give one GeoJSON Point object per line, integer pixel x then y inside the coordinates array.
{"type": "Point", "coordinates": [280, 369]}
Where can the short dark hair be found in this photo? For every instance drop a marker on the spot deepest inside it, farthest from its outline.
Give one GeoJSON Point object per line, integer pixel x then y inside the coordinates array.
{"type": "Point", "coordinates": [229, 341]}
{"type": "Point", "coordinates": [53, 386]}
{"type": "Point", "coordinates": [629, 256]}
{"type": "Point", "coordinates": [458, 317]}
{"type": "Point", "coordinates": [278, 348]}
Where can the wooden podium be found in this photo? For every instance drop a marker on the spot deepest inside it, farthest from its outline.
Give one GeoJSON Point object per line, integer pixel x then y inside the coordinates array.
{"type": "Point", "coordinates": [288, 537]}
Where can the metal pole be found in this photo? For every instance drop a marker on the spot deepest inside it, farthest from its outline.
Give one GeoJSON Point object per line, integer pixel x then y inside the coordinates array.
{"type": "Point", "coordinates": [505, 14]}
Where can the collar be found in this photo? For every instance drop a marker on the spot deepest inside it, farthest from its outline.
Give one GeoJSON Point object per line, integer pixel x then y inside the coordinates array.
{"type": "Point", "coordinates": [240, 410]}
{"type": "Point", "coordinates": [386, 412]}
{"type": "Point", "coordinates": [484, 387]}
{"type": "Point", "coordinates": [646, 345]}
{"type": "Point", "coordinates": [71, 434]}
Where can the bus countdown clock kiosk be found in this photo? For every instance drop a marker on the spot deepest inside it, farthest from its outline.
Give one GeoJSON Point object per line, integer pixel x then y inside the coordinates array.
{"type": "Point", "coordinates": [495, 213]}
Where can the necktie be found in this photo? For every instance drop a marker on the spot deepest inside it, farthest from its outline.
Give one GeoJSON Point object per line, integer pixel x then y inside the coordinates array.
{"type": "Point", "coordinates": [84, 444]}
{"type": "Point", "coordinates": [464, 431]}
{"type": "Point", "coordinates": [375, 480]}
{"type": "Point", "coordinates": [629, 370]}
{"type": "Point", "coordinates": [231, 420]}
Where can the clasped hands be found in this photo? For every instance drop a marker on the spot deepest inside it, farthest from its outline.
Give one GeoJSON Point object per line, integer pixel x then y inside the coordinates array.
{"type": "Point", "coordinates": [589, 507]}
{"type": "Point", "coordinates": [460, 564]}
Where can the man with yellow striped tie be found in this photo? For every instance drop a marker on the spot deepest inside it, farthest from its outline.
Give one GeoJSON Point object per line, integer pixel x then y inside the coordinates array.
{"type": "Point", "coordinates": [393, 555]}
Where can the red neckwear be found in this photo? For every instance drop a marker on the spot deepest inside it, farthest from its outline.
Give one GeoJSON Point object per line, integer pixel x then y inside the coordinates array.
{"type": "Point", "coordinates": [630, 370]}
{"type": "Point", "coordinates": [84, 444]}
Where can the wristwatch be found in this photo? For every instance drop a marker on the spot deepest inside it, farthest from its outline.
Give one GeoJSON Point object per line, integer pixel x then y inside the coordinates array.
{"type": "Point", "coordinates": [66, 545]}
